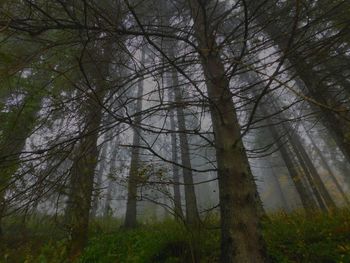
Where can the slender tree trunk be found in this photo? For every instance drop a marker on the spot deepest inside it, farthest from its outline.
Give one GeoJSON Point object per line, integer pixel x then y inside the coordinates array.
{"type": "Point", "coordinates": [307, 201]}
{"type": "Point", "coordinates": [315, 178]}
{"type": "Point", "coordinates": [329, 170]}
{"type": "Point", "coordinates": [131, 206]}
{"type": "Point", "coordinates": [99, 174]}
{"type": "Point", "coordinates": [279, 190]}
{"type": "Point", "coordinates": [114, 152]}
{"type": "Point", "coordinates": [335, 123]}
{"type": "Point", "coordinates": [174, 159]}
{"type": "Point", "coordinates": [241, 238]}
{"type": "Point", "coordinates": [192, 215]}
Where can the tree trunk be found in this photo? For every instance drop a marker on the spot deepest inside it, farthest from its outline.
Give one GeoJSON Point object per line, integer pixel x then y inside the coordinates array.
{"type": "Point", "coordinates": [192, 215]}
{"type": "Point", "coordinates": [174, 159]}
{"type": "Point", "coordinates": [335, 123]}
{"type": "Point", "coordinates": [99, 174]}
{"type": "Point", "coordinates": [307, 201]}
{"type": "Point", "coordinates": [278, 187]}
{"type": "Point", "coordinates": [131, 211]}
{"type": "Point", "coordinates": [114, 152]}
{"type": "Point", "coordinates": [86, 156]}
{"type": "Point", "coordinates": [329, 170]}
{"type": "Point", "coordinates": [241, 238]}
{"type": "Point", "coordinates": [315, 178]}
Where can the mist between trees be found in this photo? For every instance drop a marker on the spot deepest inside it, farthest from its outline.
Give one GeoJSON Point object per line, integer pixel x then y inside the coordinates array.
{"type": "Point", "coordinates": [140, 111]}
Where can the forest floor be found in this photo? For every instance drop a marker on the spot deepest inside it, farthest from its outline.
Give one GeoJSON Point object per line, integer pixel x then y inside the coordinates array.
{"type": "Point", "coordinates": [293, 237]}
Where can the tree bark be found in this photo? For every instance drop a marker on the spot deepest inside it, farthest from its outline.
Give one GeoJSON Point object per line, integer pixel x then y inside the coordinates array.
{"type": "Point", "coordinates": [86, 156]}
{"type": "Point", "coordinates": [192, 215]}
{"type": "Point", "coordinates": [241, 238]}
{"type": "Point", "coordinates": [174, 159]}
{"type": "Point", "coordinates": [131, 206]}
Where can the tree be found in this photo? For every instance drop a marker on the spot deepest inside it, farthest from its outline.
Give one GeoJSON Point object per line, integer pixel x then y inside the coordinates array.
{"type": "Point", "coordinates": [241, 238]}
{"type": "Point", "coordinates": [133, 180]}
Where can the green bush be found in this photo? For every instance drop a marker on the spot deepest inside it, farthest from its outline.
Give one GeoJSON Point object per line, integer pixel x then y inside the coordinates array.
{"type": "Point", "coordinates": [318, 238]}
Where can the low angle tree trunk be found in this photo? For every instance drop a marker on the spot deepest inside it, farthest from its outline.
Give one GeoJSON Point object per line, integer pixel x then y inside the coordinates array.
{"type": "Point", "coordinates": [241, 237]}
{"type": "Point", "coordinates": [192, 215]}
{"type": "Point", "coordinates": [175, 168]}
{"type": "Point", "coordinates": [131, 206]}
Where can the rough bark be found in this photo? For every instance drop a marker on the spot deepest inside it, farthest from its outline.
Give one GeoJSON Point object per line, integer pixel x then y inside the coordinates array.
{"type": "Point", "coordinates": [82, 180]}
{"type": "Point", "coordinates": [241, 238]}
{"type": "Point", "coordinates": [86, 156]}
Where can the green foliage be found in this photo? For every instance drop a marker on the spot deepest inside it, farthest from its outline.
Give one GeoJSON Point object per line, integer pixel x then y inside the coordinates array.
{"type": "Point", "coordinates": [319, 238]}
{"type": "Point", "coordinates": [143, 244]}
{"type": "Point", "coordinates": [290, 238]}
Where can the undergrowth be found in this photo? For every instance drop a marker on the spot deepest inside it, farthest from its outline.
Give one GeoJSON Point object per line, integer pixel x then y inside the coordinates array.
{"type": "Point", "coordinates": [290, 238]}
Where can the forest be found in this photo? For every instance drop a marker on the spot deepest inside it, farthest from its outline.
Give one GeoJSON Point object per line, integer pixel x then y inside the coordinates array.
{"type": "Point", "coordinates": [145, 131]}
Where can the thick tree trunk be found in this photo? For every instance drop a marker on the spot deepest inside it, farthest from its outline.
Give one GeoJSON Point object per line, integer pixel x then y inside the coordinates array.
{"type": "Point", "coordinates": [86, 155]}
{"type": "Point", "coordinates": [131, 206]}
{"type": "Point", "coordinates": [192, 215]}
{"type": "Point", "coordinates": [241, 238]}
{"type": "Point", "coordinates": [82, 177]}
{"type": "Point", "coordinates": [82, 174]}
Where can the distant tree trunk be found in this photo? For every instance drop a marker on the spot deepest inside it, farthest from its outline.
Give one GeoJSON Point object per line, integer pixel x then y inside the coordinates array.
{"type": "Point", "coordinates": [307, 201]}
{"type": "Point", "coordinates": [329, 170]}
{"type": "Point", "coordinates": [279, 188]}
{"type": "Point", "coordinates": [174, 159]}
{"type": "Point", "coordinates": [296, 175]}
{"type": "Point", "coordinates": [99, 174]}
{"type": "Point", "coordinates": [131, 211]}
{"type": "Point", "coordinates": [336, 124]}
{"type": "Point", "coordinates": [192, 215]}
{"type": "Point", "coordinates": [241, 238]}
{"type": "Point", "coordinates": [107, 206]}
{"type": "Point", "coordinates": [315, 179]}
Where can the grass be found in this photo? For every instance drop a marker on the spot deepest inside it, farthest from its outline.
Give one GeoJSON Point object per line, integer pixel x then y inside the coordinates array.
{"type": "Point", "coordinates": [289, 237]}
